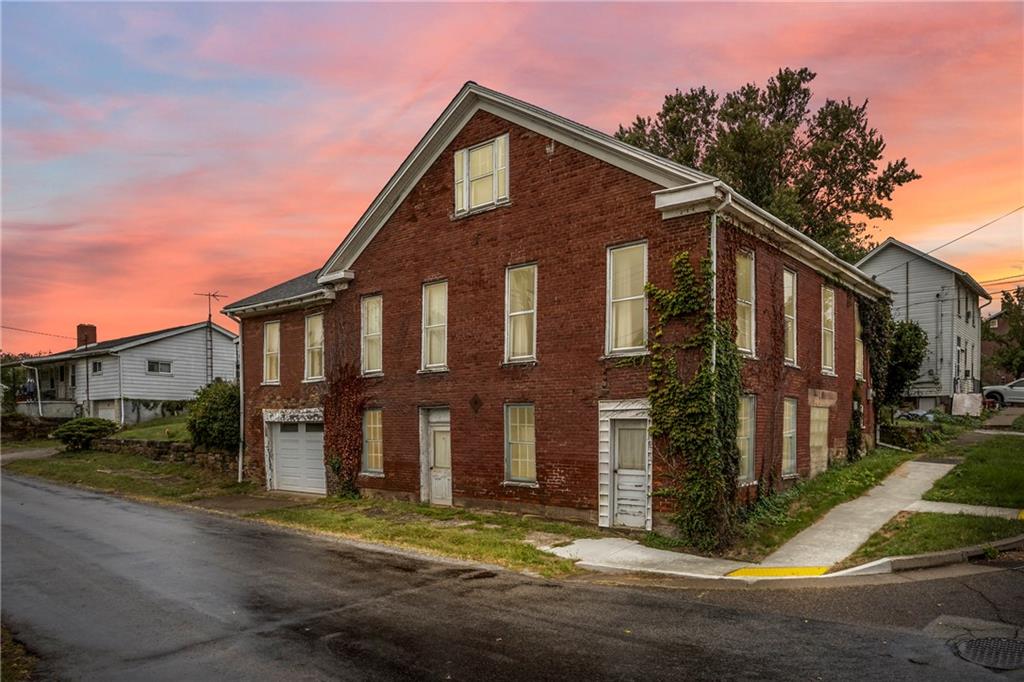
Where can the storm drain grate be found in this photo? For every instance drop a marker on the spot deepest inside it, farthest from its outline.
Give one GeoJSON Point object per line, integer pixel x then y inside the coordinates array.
{"type": "Point", "coordinates": [994, 652]}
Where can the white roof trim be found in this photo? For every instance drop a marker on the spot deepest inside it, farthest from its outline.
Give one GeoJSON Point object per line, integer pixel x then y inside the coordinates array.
{"type": "Point", "coordinates": [962, 274]}
{"type": "Point", "coordinates": [278, 303]}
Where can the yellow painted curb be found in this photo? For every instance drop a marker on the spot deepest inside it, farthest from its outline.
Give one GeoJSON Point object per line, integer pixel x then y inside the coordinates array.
{"type": "Point", "coordinates": [1020, 515]}
{"type": "Point", "coordinates": [778, 571]}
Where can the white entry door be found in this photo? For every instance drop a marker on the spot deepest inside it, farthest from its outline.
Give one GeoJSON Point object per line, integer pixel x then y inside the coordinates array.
{"type": "Point", "coordinates": [439, 458]}
{"type": "Point", "coordinates": [629, 471]}
{"type": "Point", "coordinates": [299, 457]}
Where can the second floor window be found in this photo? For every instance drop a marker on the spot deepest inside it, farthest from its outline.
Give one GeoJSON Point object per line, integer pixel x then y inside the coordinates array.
{"type": "Point", "coordinates": [828, 330]}
{"type": "Point", "coordinates": [158, 367]}
{"type": "Point", "coordinates": [521, 313]}
{"type": "Point", "coordinates": [372, 314]}
{"type": "Point", "coordinates": [745, 301]}
{"type": "Point", "coordinates": [97, 367]}
{"type": "Point", "coordinates": [435, 325]}
{"type": "Point", "coordinates": [858, 342]}
{"type": "Point", "coordinates": [481, 175]}
{"type": "Point", "coordinates": [627, 302]}
{"type": "Point", "coordinates": [315, 347]}
{"type": "Point", "coordinates": [789, 311]}
{"type": "Point", "coordinates": [272, 353]}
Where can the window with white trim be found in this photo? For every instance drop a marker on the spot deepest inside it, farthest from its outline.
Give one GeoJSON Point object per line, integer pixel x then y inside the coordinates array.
{"type": "Point", "coordinates": [373, 441]}
{"type": "Point", "coordinates": [858, 343]}
{"type": "Point", "coordinates": [97, 367]}
{"type": "Point", "coordinates": [520, 444]}
{"type": "Point", "coordinates": [789, 312]}
{"type": "Point", "coordinates": [272, 352]}
{"type": "Point", "coordinates": [819, 437]}
{"type": "Point", "coordinates": [372, 334]}
{"type": "Point", "coordinates": [746, 419]}
{"type": "Point", "coordinates": [789, 406]}
{"type": "Point", "coordinates": [435, 326]}
{"type": "Point", "coordinates": [627, 302]}
{"type": "Point", "coordinates": [745, 293]}
{"type": "Point", "coordinates": [158, 367]}
{"type": "Point", "coordinates": [315, 347]}
{"type": "Point", "coordinates": [828, 330]}
{"type": "Point", "coordinates": [481, 175]}
{"type": "Point", "coordinates": [520, 313]}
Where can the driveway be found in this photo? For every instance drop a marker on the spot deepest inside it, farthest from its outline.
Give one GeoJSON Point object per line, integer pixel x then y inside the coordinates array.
{"type": "Point", "coordinates": [10, 454]}
{"type": "Point", "coordinates": [103, 588]}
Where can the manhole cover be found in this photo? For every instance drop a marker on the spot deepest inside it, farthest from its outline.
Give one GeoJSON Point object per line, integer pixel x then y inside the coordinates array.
{"type": "Point", "coordinates": [994, 652]}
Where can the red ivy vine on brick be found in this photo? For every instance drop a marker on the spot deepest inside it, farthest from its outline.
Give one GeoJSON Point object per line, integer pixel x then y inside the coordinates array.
{"type": "Point", "coordinates": [343, 429]}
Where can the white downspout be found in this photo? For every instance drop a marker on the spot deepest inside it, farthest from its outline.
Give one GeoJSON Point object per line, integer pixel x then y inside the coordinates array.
{"type": "Point", "coordinates": [39, 389]}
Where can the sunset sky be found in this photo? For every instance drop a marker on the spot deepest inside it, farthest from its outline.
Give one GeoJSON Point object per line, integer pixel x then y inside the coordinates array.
{"type": "Point", "coordinates": [152, 151]}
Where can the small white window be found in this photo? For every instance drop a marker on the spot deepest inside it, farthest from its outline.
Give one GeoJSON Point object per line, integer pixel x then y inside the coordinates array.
{"type": "Point", "coordinates": [745, 332]}
{"type": "Point", "coordinates": [373, 441]}
{"type": "Point", "coordinates": [158, 367]}
{"type": "Point", "coordinates": [372, 326]}
{"type": "Point", "coordinates": [315, 347]}
{"type": "Point", "coordinates": [789, 311]}
{"type": "Point", "coordinates": [481, 175]}
{"type": "Point", "coordinates": [435, 326]}
{"type": "Point", "coordinates": [627, 301]}
{"type": "Point", "coordinates": [520, 313]}
{"type": "Point", "coordinates": [858, 343]}
{"type": "Point", "coordinates": [789, 436]}
{"type": "Point", "coordinates": [747, 417]}
{"type": "Point", "coordinates": [520, 444]}
{"type": "Point", "coordinates": [828, 330]}
{"type": "Point", "coordinates": [97, 367]}
{"type": "Point", "coordinates": [272, 353]}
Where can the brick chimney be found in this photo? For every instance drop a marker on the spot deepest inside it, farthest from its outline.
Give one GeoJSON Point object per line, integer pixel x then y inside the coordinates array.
{"type": "Point", "coordinates": [86, 334]}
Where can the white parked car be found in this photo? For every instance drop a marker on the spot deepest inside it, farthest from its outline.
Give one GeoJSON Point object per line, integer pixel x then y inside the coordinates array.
{"type": "Point", "coordinates": [1006, 394]}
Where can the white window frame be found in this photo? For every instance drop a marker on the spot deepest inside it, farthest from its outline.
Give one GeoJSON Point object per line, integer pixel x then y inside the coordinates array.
{"type": "Point", "coordinates": [499, 195]}
{"type": "Point", "coordinates": [508, 445]}
{"type": "Point", "coordinates": [94, 364]}
{"type": "Point", "coordinates": [786, 317]}
{"type": "Point", "coordinates": [609, 333]}
{"type": "Point", "coordinates": [424, 339]}
{"type": "Point", "coordinates": [307, 348]}
{"type": "Point", "coordinates": [858, 343]}
{"type": "Point", "coordinates": [365, 467]}
{"type": "Point", "coordinates": [266, 327]}
{"type": "Point", "coordinates": [752, 351]}
{"type": "Point", "coordinates": [364, 335]}
{"type": "Point", "coordinates": [509, 314]}
{"type": "Point", "coordinates": [789, 436]}
{"type": "Point", "coordinates": [749, 477]}
{"type": "Point", "coordinates": [828, 369]}
{"type": "Point", "coordinates": [159, 371]}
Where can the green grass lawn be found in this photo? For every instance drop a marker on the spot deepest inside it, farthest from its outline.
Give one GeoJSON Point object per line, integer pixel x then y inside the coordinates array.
{"type": "Point", "coordinates": [166, 428]}
{"type": "Point", "coordinates": [923, 532]}
{"type": "Point", "coordinates": [16, 664]}
{"type": "Point", "coordinates": [1018, 423]}
{"type": "Point", "coordinates": [35, 444]}
{"type": "Point", "coordinates": [992, 473]}
{"type": "Point", "coordinates": [131, 475]}
{"type": "Point", "coordinates": [771, 522]}
{"type": "Point", "coordinates": [490, 537]}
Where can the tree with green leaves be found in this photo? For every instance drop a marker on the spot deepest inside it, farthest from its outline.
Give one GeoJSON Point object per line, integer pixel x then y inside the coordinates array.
{"type": "Point", "coordinates": [907, 349]}
{"type": "Point", "coordinates": [1009, 350]}
{"type": "Point", "coordinates": [819, 170]}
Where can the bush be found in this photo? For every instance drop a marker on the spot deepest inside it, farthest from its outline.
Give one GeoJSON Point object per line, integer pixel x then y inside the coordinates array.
{"type": "Point", "coordinates": [78, 434]}
{"type": "Point", "coordinates": [213, 416]}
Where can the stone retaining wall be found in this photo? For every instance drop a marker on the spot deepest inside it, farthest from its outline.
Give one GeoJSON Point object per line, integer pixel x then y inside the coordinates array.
{"type": "Point", "coordinates": [168, 451]}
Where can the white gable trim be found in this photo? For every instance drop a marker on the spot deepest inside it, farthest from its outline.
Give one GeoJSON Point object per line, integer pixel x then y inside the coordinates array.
{"type": "Point", "coordinates": [965, 276]}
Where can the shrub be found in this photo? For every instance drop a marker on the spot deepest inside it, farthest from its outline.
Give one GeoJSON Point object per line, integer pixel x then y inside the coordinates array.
{"type": "Point", "coordinates": [78, 434]}
{"type": "Point", "coordinates": [213, 416]}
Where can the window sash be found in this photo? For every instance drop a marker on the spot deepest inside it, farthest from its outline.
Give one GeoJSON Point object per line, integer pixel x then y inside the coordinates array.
{"type": "Point", "coordinates": [97, 367]}
{"type": "Point", "coordinates": [746, 426]}
{"type": "Point", "coordinates": [521, 314]}
{"type": "Point", "coordinates": [789, 410]}
{"type": "Point", "coordinates": [789, 312]}
{"type": "Point", "coordinates": [746, 295]}
{"type": "Point", "coordinates": [434, 350]}
{"type": "Point", "coordinates": [314, 347]}
{"type": "Point", "coordinates": [495, 170]}
{"type": "Point", "coordinates": [828, 329]}
{"type": "Point", "coordinates": [373, 441]}
{"type": "Point", "coordinates": [858, 343]}
{"type": "Point", "coordinates": [372, 325]}
{"type": "Point", "coordinates": [158, 367]}
{"type": "Point", "coordinates": [520, 443]}
{"type": "Point", "coordinates": [627, 300]}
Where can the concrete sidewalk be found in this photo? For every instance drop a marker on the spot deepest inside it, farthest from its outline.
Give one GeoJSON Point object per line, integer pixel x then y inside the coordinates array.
{"type": "Point", "coordinates": [968, 509]}
{"type": "Point", "coordinates": [621, 554]}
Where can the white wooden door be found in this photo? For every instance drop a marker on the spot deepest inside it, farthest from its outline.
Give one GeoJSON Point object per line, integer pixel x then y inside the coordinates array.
{"type": "Point", "coordinates": [439, 455]}
{"type": "Point", "coordinates": [299, 457]}
{"type": "Point", "coordinates": [629, 461]}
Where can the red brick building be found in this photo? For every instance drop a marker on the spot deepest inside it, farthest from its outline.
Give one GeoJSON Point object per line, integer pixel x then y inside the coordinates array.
{"type": "Point", "coordinates": [491, 299]}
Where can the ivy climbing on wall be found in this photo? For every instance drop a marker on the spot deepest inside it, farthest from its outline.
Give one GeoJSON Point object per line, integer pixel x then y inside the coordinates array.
{"type": "Point", "coordinates": [694, 389]}
{"type": "Point", "coordinates": [343, 430]}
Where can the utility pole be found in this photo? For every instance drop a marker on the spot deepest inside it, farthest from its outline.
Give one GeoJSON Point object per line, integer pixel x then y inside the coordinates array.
{"type": "Point", "coordinates": [211, 296]}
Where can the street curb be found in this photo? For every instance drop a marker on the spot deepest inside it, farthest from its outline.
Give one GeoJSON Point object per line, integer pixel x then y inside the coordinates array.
{"type": "Point", "coordinates": [931, 559]}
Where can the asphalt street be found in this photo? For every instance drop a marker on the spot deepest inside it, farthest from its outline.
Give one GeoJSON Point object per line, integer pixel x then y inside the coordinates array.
{"type": "Point", "coordinates": [103, 588]}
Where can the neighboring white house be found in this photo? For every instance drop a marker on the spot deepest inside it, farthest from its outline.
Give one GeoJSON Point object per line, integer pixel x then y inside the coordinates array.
{"type": "Point", "coordinates": [127, 380]}
{"type": "Point", "coordinates": [943, 300]}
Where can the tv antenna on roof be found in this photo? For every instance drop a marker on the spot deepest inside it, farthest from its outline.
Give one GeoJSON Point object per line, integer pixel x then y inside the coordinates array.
{"type": "Point", "coordinates": [211, 296]}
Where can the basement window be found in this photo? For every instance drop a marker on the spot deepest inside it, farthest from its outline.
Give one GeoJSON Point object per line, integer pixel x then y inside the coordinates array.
{"type": "Point", "coordinates": [481, 175]}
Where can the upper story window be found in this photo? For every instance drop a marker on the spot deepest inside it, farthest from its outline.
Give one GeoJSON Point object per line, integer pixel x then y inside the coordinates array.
{"type": "Point", "coordinates": [373, 334]}
{"type": "Point", "coordinates": [97, 367]}
{"type": "Point", "coordinates": [789, 311]}
{"type": "Point", "coordinates": [315, 347]}
{"type": "Point", "coordinates": [828, 330]}
{"type": "Point", "coordinates": [745, 332]}
{"type": "Point", "coordinates": [520, 313]}
{"type": "Point", "coordinates": [858, 341]}
{"type": "Point", "coordinates": [481, 175]}
{"type": "Point", "coordinates": [158, 367]}
{"type": "Point", "coordinates": [272, 352]}
{"type": "Point", "coordinates": [435, 326]}
{"type": "Point", "coordinates": [627, 302]}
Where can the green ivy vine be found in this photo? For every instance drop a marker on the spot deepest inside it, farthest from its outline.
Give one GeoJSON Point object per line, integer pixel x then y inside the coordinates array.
{"type": "Point", "coordinates": [694, 409]}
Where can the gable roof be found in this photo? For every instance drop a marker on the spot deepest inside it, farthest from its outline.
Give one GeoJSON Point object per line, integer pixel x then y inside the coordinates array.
{"type": "Point", "coordinates": [293, 290]}
{"type": "Point", "coordinates": [123, 343]}
{"type": "Point", "coordinates": [962, 274]}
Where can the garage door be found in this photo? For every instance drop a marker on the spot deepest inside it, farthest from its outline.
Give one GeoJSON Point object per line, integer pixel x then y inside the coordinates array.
{"type": "Point", "coordinates": [299, 457]}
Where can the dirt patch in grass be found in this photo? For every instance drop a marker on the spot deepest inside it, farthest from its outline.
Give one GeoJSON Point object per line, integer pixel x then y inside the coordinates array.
{"type": "Point", "coordinates": [16, 663]}
{"type": "Point", "coordinates": [166, 428]}
{"type": "Point", "coordinates": [992, 473]}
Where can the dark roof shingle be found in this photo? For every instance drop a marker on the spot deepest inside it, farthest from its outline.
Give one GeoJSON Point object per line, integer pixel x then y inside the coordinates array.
{"type": "Point", "coordinates": [303, 284]}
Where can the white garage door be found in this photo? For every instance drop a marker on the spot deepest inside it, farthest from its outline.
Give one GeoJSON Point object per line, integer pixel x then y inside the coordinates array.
{"type": "Point", "coordinates": [299, 457]}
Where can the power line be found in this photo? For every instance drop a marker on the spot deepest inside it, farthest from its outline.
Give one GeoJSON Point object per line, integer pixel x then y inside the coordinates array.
{"type": "Point", "coordinates": [1003, 280]}
{"type": "Point", "coordinates": [31, 331]}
